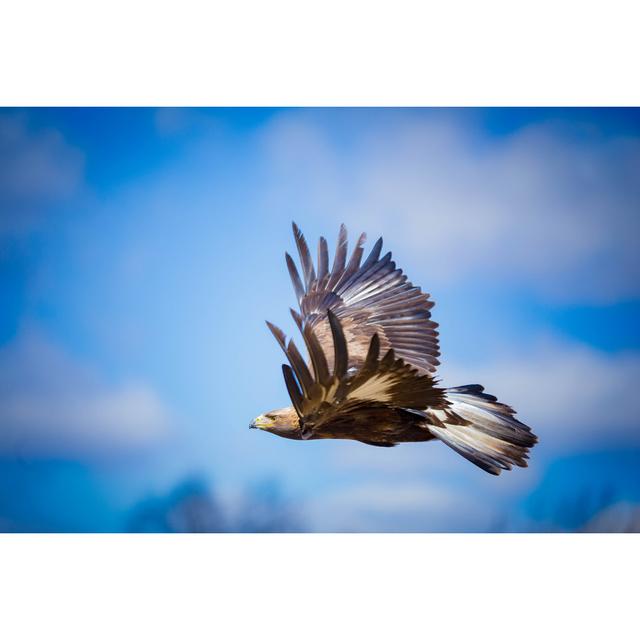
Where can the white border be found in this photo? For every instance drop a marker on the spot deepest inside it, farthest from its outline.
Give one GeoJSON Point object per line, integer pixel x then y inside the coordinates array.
{"type": "Point", "coordinates": [319, 586]}
{"type": "Point", "coordinates": [287, 52]}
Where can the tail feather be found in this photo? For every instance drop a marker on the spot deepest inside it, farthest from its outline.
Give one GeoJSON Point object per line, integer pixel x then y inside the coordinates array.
{"type": "Point", "coordinates": [492, 438]}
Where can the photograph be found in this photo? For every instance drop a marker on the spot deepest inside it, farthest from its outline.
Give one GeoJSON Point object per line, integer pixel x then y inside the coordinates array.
{"type": "Point", "coordinates": [319, 320]}
{"type": "Point", "coordinates": [304, 320]}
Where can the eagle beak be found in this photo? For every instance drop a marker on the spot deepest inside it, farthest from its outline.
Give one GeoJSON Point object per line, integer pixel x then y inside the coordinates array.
{"type": "Point", "coordinates": [260, 422]}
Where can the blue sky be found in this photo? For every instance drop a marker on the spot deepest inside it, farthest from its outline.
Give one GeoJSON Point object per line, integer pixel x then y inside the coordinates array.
{"type": "Point", "coordinates": [141, 251]}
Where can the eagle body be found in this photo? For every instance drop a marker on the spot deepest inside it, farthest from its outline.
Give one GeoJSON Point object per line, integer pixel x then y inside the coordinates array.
{"type": "Point", "coordinates": [376, 424]}
{"type": "Point", "coordinates": [372, 354]}
{"type": "Point", "coordinates": [382, 426]}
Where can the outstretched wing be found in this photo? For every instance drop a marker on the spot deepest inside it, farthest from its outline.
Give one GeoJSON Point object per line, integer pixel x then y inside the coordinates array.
{"type": "Point", "coordinates": [374, 297]}
{"type": "Point", "coordinates": [323, 393]}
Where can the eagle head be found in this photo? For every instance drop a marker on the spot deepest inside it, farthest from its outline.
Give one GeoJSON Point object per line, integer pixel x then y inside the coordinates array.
{"type": "Point", "coordinates": [283, 422]}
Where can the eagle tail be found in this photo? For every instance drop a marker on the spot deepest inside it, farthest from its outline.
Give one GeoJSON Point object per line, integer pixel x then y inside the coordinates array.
{"type": "Point", "coordinates": [490, 436]}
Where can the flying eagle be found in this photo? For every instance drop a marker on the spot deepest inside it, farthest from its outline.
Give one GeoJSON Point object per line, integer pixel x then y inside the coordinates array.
{"type": "Point", "coordinates": [373, 351]}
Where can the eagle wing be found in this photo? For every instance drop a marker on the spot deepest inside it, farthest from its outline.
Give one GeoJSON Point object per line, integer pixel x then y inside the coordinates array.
{"type": "Point", "coordinates": [371, 298]}
{"type": "Point", "coordinates": [322, 394]}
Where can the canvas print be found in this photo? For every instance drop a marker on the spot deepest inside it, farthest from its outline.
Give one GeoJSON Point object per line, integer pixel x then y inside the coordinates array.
{"type": "Point", "coordinates": [277, 320]}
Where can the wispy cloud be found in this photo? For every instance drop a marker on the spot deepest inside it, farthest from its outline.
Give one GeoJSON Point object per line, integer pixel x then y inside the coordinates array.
{"type": "Point", "coordinates": [53, 404]}
{"type": "Point", "coordinates": [552, 206]}
{"type": "Point", "coordinates": [37, 168]}
{"type": "Point", "coordinates": [393, 506]}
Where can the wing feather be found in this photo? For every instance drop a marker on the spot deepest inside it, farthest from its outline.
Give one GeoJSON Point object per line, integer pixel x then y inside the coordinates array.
{"type": "Point", "coordinates": [323, 261]}
{"type": "Point", "coordinates": [341, 355]}
{"type": "Point", "coordinates": [300, 367]}
{"type": "Point", "coordinates": [339, 259]}
{"type": "Point", "coordinates": [295, 359]}
{"type": "Point", "coordinates": [295, 278]}
{"type": "Point", "coordinates": [293, 389]}
{"type": "Point", "coordinates": [318, 359]}
{"type": "Point", "coordinates": [323, 395]}
{"type": "Point", "coordinates": [374, 297]}
{"type": "Point", "coordinates": [305, 257]}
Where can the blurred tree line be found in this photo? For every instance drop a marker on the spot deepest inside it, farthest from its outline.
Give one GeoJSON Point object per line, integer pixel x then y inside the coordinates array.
{"type": "Point", "coordinates": [193, 507]}
{"type": "Point", "coordinates": [598, 509]}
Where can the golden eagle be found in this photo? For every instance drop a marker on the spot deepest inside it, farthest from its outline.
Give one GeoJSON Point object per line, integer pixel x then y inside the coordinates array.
{"type": "Point", "coordinates": [373, 350]}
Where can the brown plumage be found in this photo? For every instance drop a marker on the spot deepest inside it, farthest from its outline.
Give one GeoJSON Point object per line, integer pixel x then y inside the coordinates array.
{"type": "Point", "coordinates": [373, 349]}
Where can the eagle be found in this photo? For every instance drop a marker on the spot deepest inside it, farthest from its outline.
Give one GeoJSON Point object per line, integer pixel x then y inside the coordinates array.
{"type": "Point", "coordinates": [372, 354]}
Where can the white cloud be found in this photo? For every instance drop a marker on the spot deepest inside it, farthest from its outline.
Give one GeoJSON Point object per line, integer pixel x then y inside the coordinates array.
{"type": "Point", "coordinates": [170, 121]}
{"type": "Point", "coordinates": [622, 517]}
{"type": "Point", "coordinates": [551, 206]}
{"type": "Point", "coordinates": [393, 506]}
{"type": "Point", "coordinates": [403, 460]}
{"type": "Point", "coordinates": [432, 461]}
{"type": "Point", "coordinates": [37, 168]}
{"type": "Point", "coordinates": [573, 396]}
{"type": "Point", "coordinates": [51, 404]}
